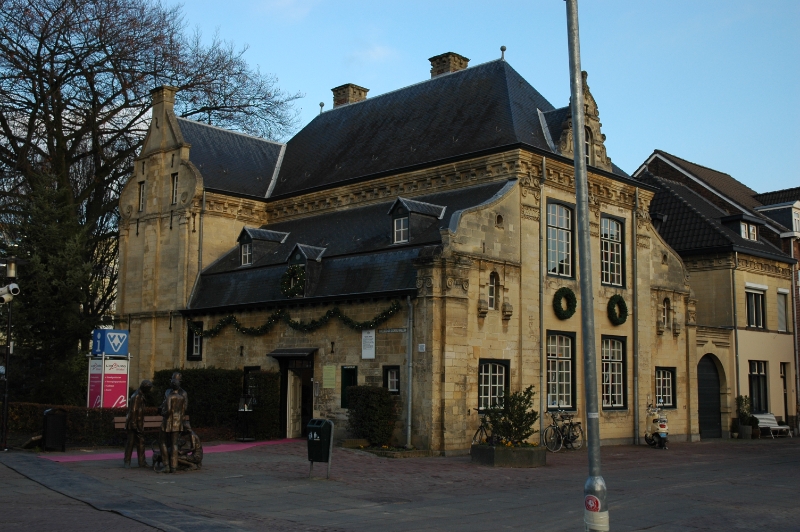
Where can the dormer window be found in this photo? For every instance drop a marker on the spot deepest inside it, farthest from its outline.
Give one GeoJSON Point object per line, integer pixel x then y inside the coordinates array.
{"type": "Point", "coordinates": [246, 254]}
{"type": "Point", "coordinates": [401, 229]}
{"type": "Point", "coordinates": [748, 230]}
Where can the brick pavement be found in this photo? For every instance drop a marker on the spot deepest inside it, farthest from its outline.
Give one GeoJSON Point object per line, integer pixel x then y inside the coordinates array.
{"type": "Point", "coordinates": [702, 486]}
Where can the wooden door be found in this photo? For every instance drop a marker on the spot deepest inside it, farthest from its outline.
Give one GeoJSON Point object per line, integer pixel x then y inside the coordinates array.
{"type": "Point", "coordinates": [708, 390]}
{"type": "Point", "coordinates": [294, 406]}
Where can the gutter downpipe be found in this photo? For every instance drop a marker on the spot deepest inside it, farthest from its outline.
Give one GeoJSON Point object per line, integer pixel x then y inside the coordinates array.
{"type": "Point", "coordinates": [409, 369]}
{"type": "Point", "coordinates": [542, 220]}
{"type": "Point", "coordinates": [199, 252]}
{"type": "Point", "coordinates": [735, 320]}
{"type": "Point", "coordinates": [635, 322]}
{"type": "Point", "coordinates": [795, 274]}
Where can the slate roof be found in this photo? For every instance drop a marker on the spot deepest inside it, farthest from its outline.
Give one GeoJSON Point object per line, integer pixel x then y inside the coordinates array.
{"type": "Point", "coordinates": [420, 207]}
{"type": "Point", "coordinates": [779, 196]}
{"type": "Point", "coordinates": [722, 182]}
{"type": "Point", "coordinates": [359, 256]}
{"type": "Point", "coordinates": [230, 161]}
{"type": "Point", "coordinates": [264, 234]}
{"type": "Point", "coordinates": [694, 224]}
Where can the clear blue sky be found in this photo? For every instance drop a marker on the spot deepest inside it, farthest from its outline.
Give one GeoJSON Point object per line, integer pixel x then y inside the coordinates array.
{"type": "Point", "coordinates": [714, 82]}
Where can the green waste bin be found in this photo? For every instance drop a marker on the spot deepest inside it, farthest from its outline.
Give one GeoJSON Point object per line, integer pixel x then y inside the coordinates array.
{"type": "Point", "coordinates": [54, 431]}
{"type": "Point", "coordinates": [320, 442]}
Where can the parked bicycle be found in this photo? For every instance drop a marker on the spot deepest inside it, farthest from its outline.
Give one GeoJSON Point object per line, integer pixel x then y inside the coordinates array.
{"type": "Point", "coordinates": [484, 433]}
{"type": "Point", "coordinates": [563, 432]}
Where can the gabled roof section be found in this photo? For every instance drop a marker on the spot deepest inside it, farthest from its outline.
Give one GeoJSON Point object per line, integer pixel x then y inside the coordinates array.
{"type": "Point", "coordinates": [473, 110]}
{"type": "Point", "coordinates": [309, 252]}
{"type": "Point", "coordinates": [787, 195]}
{"type": "Point", "coordinates": [264, 234]}
{"type": "Point", "coordinates": [232, 162]}
{"type": "Point", "coordinates": [420, 207]}
{"type": "Point", "coordinates": [694, 225]}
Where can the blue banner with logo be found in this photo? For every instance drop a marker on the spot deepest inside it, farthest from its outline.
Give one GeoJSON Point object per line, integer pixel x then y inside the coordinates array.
{"type": "Point", "coordinates": [109, 342]}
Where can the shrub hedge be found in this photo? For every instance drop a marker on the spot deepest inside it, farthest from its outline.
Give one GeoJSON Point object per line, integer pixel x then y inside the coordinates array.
{"type": "Point", "coordinates": [372, 413]}
{"type": "Point", "coordinates": [213, 394]}
{"type": "Point", "coordinates": [267, 406]}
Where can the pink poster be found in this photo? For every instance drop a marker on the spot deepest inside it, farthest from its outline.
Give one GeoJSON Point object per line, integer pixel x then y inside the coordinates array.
{"type": "Point", "coordinates": [95, 383]}
{"type": "Point", "coordinates": [115, 384]}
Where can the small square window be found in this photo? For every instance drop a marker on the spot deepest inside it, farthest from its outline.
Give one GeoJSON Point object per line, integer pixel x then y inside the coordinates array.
{"type": "Point", "coordinates": [391, 379]}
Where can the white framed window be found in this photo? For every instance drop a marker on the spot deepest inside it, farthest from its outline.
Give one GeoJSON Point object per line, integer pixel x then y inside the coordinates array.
{"type": "Point", "coordinates": [142, 196]}
{"type": "Point", "coordinates": [755, 309]}
{"type": "Point", "coordinates": [174, 189]}
{"type": "Point", "coordinates": [194, 347]}
{"type": "Point", "coordinates": [611, 252]}
{"type": "Point", "coordinates": [758, 386]}
{"type": "Point", "coordinates": [748, 231]}
{"type": "Point", "coordinates": [493, 290]}
{"type": "Point", "coordinates": [391, 379]}
{"type": "Point", "coordinates": [247, 253]}
{"type": "Point", "coordinates": [665, 387]}
{"type": "Point", "coordinates": [613, 360]}
{"type": "Point", "coordinates": [560, 393]}
{"type": "Point", "coordinates": [401, 230]}
{"type": "Point", "coordinates": [492, 381]}
{"type": "Point", "coordinates": [796, 221]}
{"type": "Point", "coordinates": [559, 240]}
{"type": "Point", "coordinates": [587, 145]}
{"type": "Point", "coordinates": [783, 305]}
{"type": "Point", "coordinates": [665, 310]}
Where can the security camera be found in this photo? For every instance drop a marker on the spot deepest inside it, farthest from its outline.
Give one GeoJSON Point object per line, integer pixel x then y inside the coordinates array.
{"type": "Point", "coordinates": [12, 289]}
{"type": "Point", "coordinates": [5, 298]}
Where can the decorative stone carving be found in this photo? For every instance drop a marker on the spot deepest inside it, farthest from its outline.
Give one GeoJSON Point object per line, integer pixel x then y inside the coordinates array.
{"type": "Point", "coordinates": [483, 308]}
{"type": "Point", "coordinates": [508, 310]}
{"type": "Point", "coordinates": [660, 327]}
{"type": "Point", "coordinates": [592, 115]}
{"type": "Point", "coordinates": [676, 324]}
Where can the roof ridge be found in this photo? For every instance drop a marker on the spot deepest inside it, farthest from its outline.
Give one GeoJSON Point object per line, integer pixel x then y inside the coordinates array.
{"type": "Point", "coordinates": [777, 191]}
{"type": "Point", "coordinates": [230, 131]}
{"type": "Point", "coordinates": [694, 210]}
{"type": "Point", "coordinates": [703, 166]}
{"type": "Point", "coordinates": [440, 76]}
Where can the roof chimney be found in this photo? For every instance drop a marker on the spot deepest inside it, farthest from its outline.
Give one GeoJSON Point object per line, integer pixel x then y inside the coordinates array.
{"type": "Point", "coordinates": [446, 63]}
{"type": "Point", "coordinates": [348, 93]}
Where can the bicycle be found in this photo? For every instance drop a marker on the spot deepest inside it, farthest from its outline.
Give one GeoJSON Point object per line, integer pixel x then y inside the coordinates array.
{"type": "Point", "coordinates": [563, 432]}
{"type": "Point", "coordinates": [483, 434]}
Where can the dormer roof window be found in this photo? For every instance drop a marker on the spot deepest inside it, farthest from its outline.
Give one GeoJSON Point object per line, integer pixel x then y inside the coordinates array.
{"type": "Point", "coordinates": [748, 231]}
{"type": "Point", "coordinates": [246, 253]}
{"type": "Point", "coordinates": [746, 225]}
{"type": "Point", "coordinates": [248, 246]}
{"type": "Point", "coordinates": [302, 253]}
{"type": "Point", "coordinates": [403, 209]}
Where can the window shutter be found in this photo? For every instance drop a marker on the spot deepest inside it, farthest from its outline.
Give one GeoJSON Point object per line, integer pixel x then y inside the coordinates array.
{"type": "Point", "coordinates": [782, 312]}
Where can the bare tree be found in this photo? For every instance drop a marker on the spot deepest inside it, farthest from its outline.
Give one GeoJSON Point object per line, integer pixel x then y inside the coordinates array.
{"type": "Point", "coordinates": [75, 77]}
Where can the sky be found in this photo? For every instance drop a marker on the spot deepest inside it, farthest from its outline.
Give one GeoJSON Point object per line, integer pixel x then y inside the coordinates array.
{"type": "Point", "coordinates": [713, 82]}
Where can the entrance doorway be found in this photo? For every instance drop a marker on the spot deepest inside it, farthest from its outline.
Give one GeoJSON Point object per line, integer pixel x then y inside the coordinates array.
{"type": "Point", "coordinates": [297, 394]}
{"type": "Point", "coordinates": [708, 398]}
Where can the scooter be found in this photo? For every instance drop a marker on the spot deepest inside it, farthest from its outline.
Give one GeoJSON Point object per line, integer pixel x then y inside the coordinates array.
{"type": "Point", "coordinates": [657, 431]}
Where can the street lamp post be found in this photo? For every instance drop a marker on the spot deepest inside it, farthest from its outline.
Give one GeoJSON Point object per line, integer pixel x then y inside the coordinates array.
{"type": "Point", "coordinates": [7, 293]}
{"type": "Point", "coordinates": [595, 515]}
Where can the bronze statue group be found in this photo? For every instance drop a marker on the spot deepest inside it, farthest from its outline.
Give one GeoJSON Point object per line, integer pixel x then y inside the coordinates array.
{"type": "Point", "coordinates": [179, 446]}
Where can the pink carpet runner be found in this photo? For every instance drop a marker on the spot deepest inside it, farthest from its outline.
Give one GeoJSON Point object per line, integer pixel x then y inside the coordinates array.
{"type": "Point", "coordinates": [221, 448]}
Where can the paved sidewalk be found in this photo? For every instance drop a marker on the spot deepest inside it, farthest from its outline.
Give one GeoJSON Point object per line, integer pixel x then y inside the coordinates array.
{"type": "Point", "coordinates": [722, 485]}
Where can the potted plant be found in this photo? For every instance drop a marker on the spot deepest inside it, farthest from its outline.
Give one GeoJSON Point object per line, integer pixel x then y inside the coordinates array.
{"type": "Point", "coordinates": [512, 425]}
{"type": "Point", "coordinates": [754, 424]}
{"type": "Point", "coordinates": [743, 416]}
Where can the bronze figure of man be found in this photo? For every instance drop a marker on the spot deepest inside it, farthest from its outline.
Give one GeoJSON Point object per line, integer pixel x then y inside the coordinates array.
{"type": "Point", "coordinates": [134, 424]}
{"type": "Point", "coordinates": [190, 455]}
{"type": "Point", "coordinates": [173, 409]}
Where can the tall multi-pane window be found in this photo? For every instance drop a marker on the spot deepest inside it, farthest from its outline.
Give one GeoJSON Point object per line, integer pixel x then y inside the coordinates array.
{"type": "Point", "coordinates": [559, 371]}
{"type": "Point", "coordinates": [194, 346]}
{"type": "Point", "coordinates": [796, 221]}
{"type": "Point", "coordinates": [142, 196]}
{"type": "Point", "coordinates": [755, 309]}
{"type": "Point", "coordinates": [665, 387]}
{"type": "Point", "coordinates": [559, 240]}
{"type": "Point", "coordinates": [493, 290]}
{"type": "Point", "coordinates": [758, 385]}
{"type": "Point", "coordinates": [611, 252]}
{"type": "Point", "coordinates": [247, 253]}
{"type": "Point", "coordinates": [491, 384]}
{"type": "Point", "coordinates": [174, 189]}
{"type": "Point", "coordinates": [613, 359]}
{"type": "Point", "coordinates": [782, 312]}
{"type": "Point", "coordinates": [401, 230]}
{"type": "Point", "coordinates": [665, 308]}
{"type": "Point", "coordinates": [391, 379]}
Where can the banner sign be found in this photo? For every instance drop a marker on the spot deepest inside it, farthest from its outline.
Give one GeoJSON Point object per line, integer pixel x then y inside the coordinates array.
{"type": "Point", "coordinates": [95, 383]}
{"type": "Point", "coordinates": [115, 384]}
{"type": "Point", "coordinates": [109, 342]}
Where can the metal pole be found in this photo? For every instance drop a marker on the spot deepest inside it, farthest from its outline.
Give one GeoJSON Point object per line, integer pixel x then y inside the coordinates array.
{"type": "Point", "coordinates": [635, 253]}
{"type": "Point", "coordinates": [409, 369]}
{"type": "Point", "coordinates": [595, 515]}
{"type": "Point", "coordinates": [9, 347]}
{"type": "Point", "coordinates": [330, 450]}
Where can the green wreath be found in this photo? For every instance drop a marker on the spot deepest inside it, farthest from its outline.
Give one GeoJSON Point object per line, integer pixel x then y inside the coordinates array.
{"type": "Point", "coordinates": [561, 312]}
{"type": "Point", "coordinates": [297, 273]}
{"type": "Point", "coordinates": [617, 310]}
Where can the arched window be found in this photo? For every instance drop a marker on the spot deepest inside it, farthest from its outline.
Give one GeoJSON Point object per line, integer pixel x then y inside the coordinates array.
{"type": "Point", "coordinates": [587, 145]}
{"type": "Point", "coordinates": [493, 290]}
{"type": "Point", "coordinates": [665, 313]}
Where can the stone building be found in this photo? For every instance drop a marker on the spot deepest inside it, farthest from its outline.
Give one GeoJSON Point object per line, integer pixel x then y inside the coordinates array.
{"type": "Point", "coordinates": [429, 229]}
{"type": "Point", "coordinates": [738, 247]}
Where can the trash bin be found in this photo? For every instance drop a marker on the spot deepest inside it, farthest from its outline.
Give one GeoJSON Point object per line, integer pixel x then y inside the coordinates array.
{"type": "Point", "coordinates": [54, 432]}
{"type": "Point", "coordinates": [320, 442]}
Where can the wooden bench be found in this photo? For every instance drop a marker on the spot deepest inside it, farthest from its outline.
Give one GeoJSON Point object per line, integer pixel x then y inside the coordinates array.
{"type": "Point", "coordinates": [151, 423]}
{"type": "Point", "coordinates": [768, 421]}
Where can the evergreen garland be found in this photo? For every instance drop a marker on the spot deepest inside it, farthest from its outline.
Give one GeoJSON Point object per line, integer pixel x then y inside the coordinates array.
{"type": "Point", "coordinates": [572, 303]}
{"type": "Point", "coordinates": [307, 327]}
{"type": "Point", "coordinates": [298, 273]}
{"type": "Point", "coordinates": [617, 310]}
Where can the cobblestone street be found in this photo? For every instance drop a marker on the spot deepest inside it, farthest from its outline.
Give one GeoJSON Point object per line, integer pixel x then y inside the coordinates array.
{"type": "Point", "coordinates": [720, 485]}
